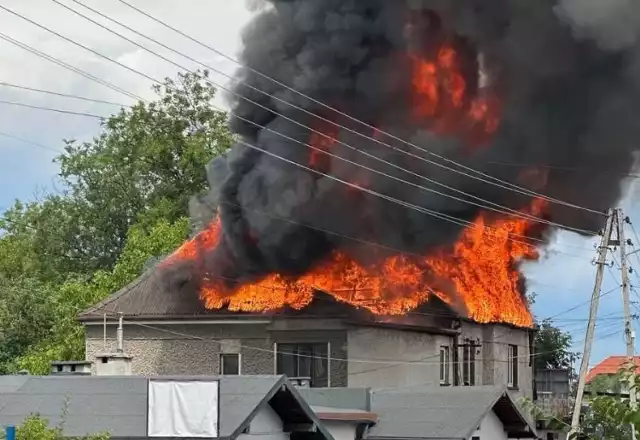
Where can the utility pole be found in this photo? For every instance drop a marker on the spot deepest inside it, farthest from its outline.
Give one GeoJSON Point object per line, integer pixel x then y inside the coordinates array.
{"type": "Point", "coordinates": [593, 311]}
{"type": "Point", "coordinates": [628, 326]}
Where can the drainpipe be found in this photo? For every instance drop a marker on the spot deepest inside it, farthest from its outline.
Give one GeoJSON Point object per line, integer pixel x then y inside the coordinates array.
{"type": "Point", "coordinates": [456, 344]}
{"type": "Point", "coordinates": [120, 334]}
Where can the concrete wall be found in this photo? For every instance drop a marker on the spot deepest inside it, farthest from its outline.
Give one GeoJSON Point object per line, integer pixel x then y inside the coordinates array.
{"type": "Point", "coordinates": [392, 345]}
{"type": "Point", "coordinates": [492, 362]}
{"type": "Point", "coordinates": [491, 428]}
{"type": "Point", "coordinates": [266, 425]}
{"type": "Point", "coordinates": [341, 430]}
{"type": "Point", "coordinates": [194, 349]}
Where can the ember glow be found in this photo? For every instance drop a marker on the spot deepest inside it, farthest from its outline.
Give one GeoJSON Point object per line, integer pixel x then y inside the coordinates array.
{"type": "Point", "coordinates": [442, 97]}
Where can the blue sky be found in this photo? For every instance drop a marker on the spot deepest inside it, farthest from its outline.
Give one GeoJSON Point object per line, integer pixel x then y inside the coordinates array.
{"type": "Point", "coordinates": [560, 281]}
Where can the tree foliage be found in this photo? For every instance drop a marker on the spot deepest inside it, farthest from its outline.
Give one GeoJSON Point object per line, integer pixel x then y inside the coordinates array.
{"type": "Point", "coordinates": [553, 348]}
{"type": "Point", "coordinates": [124, 202]}
{"type": "Point", "coordinates": [37, 428]}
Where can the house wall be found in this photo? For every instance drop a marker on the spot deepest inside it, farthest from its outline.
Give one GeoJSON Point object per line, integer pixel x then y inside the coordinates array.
{"type": "Point", "coordinates": [392, 345]}
{"type": "Point", "coordinates": [185, 349]}
{"type": "Point", "coordinates": [194, 349]}
{"type": "Point", "coordinates": [491, 428]}
{"type": "Point", "coordinates": [266, 425]}
{"type": "Point", "coordinates": [341, 430]}
{"type": "Point", "coordinates": [492, 359]}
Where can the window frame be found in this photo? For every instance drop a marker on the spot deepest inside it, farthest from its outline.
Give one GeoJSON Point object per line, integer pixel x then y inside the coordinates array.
{"type": "Point", "coordinates": [221, 359]}
{"type": "Point", "coordinates": [512, 366]}
{"type": "Point", "coordinates": [298, 344]}
{"type": "Point", "coordinates": [468, 364]}
{"type": "Point", "coordinates": [445, 365]}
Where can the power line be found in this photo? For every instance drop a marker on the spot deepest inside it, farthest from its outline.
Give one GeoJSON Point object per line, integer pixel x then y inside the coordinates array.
{"type": "Point", "coordinates": [51, 109]}
{"type": "Point", "coordinates": [438, 215]}
{"type": "Point", "coordinates": [64, 95]}
{"type": "Point", "coordinates": [511, 211]}
{"type": "Point", "coordinates": [75, 43]}
{"type": "Point", "coordinates": [430, 212]}
{"type": "Point", "coordinates": [29, 142]}
{"type": "Point", "coordinates": [67, 66]}
{"type": "Point", "coordinates": [496, 181]}
{"type": "Point", "coordinates": [561, 168]}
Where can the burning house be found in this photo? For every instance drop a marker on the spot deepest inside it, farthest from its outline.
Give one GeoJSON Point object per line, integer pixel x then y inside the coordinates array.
{"type": "Point", "coordinates": [396, 164]}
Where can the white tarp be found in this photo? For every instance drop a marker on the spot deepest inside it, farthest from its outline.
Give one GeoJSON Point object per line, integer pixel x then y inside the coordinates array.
{"type": "Point", "coordinates": [183, 409]}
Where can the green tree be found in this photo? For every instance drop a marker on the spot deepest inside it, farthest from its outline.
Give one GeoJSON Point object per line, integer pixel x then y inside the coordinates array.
{"type": "Point", "coordinates": [144, 166]}
{"type": "Point", "coordinates": [553, 347]}
{"type": "Point", "coordinates": [66, 337]}
{"type": "Point", "coordinates": [37, 428]}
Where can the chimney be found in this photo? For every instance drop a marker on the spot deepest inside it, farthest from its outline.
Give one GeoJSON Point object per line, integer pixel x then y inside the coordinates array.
{"type": "Point", "coordinates": [300, 382]}
{"type": "Point", "coordinates": [118, 363]}
{"type": "Point", "coordinates": [79, 368]}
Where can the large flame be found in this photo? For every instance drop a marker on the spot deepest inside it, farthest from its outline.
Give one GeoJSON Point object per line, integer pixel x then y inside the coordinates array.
{"type": "Point", "coordinates": [480, 268]}
{"type": "Point", "coordinates": [477, 275]}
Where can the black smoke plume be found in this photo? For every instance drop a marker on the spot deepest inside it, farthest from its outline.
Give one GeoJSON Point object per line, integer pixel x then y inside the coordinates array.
{"type": "Point", "coordinates": [567, 74]}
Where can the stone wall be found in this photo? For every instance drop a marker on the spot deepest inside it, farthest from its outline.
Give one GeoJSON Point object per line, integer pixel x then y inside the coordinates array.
{"type": "Point", "coordinates": [186, 349]}
{"type": "Point", "coordinates": [194, 349]}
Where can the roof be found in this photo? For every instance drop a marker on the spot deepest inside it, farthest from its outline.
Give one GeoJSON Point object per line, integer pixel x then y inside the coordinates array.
{"type": "Point", "coordinates": [94, 404]}
{"type": "Point", "coordinates": [444, 413]}
{"type": "Point", "coordinates": [609, 366]}
{"type": "Point", "coordinates": [157, 295]}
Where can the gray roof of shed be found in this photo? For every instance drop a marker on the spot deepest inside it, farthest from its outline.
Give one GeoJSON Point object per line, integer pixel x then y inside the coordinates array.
{"type": "Point", "coordinates": [119, 404]}
{"type": "Point", "coordinates": [443, 413]}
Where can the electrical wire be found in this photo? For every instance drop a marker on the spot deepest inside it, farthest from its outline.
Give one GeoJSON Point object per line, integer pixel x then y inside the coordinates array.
{"type": "Point", "coordinates": [29, 142]}
{"type": "Point", "coordinates": [510, 211]}
{"type": "Point", "coordinates": [496, 182]}
{"type": "Point", "coordinates": [67, 66]}
{"type": "Point", "coordinates": [51, 109]}
{"type": "Point", "coordinates": [63, 95]}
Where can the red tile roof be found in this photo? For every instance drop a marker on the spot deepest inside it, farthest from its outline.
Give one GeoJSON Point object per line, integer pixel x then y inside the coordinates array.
{"type": "Point", "coordinates": [610, 365]}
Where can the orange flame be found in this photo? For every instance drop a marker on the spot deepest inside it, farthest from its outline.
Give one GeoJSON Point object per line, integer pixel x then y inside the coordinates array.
{"type": "Point", "coordinates": [478, 274]}
{"type": "Point", "coordinates": [481, 267]}
{"type": "Point", "coordinates": [440, 95]}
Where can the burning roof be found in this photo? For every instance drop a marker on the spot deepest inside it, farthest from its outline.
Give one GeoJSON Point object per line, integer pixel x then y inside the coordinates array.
{"type": "Point", "coordinates": [310, 200]}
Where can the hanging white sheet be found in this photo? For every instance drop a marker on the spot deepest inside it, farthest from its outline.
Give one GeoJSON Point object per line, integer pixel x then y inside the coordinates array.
{"type": "Point", "coordinates": [183, 409]}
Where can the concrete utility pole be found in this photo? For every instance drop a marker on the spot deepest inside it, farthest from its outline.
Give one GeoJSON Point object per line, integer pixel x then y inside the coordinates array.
{"type": "Point", "coordinates": [593, 311]}
{"type": "Point", "coordinates": [630, 335]}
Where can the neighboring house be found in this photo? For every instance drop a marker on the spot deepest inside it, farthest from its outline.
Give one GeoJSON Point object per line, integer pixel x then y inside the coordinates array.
{"type": "Point", "coordinates": [138, 408]}
{"type": "Point", "coordinates": [603, 378]}
{"type": "Point", "coordinates": [258, 407]}
{"type": "Point", "coordinates": [330, 344]}
{"type": "Point", "coordinates": [478, 413]}
{"type": "Point", "coordinates": [553, 398]}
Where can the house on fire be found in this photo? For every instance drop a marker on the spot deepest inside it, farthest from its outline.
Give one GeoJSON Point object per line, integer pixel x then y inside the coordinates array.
{"type": "Point", "coordinates": [326, 344]}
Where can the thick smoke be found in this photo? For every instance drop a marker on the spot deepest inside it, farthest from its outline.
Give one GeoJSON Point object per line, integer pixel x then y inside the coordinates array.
{"type": "Point", "coordinates": [566, 73]}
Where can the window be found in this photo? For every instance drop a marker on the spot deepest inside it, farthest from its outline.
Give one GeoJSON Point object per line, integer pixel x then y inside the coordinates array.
{"type": "Point", "coordinates": [469, 364]}
{"type": "Point", "coordinates": [512, 366]}
{"type": "Point", "coordinates": [307, 360]}
{"type": "Point", "coordinates": [230, 364]}
{"type": "Point", "coordinates": [444, 365]}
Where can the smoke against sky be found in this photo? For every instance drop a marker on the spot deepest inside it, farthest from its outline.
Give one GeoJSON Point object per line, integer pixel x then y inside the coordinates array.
{"type": "Point", "coordinates": [567, 94]}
